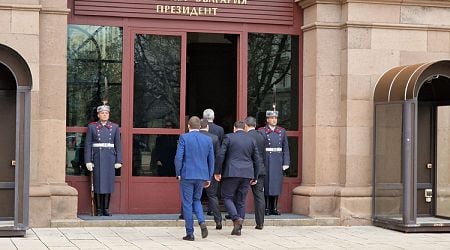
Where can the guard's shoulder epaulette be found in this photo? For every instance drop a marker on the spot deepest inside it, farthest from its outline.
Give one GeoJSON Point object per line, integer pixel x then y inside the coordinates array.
{"type": "Point", "coordinates": [279, 129]}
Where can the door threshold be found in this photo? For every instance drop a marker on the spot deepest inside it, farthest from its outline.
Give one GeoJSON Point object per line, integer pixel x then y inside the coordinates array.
{"type": "Point", "coordinates": [423, 225]}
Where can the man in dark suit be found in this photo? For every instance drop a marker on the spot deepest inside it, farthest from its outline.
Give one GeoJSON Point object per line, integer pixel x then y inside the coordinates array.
{"type": "Point", "coordinates": [258, 188]}
{"type": "Point", "coordinates": [240, 160]}
{"type": "Point", "coordinates": [208, 114]}
{"type": "Point", "coordinates": [211, 191]}
{"type": "Point", "coordinates": [194, 166]}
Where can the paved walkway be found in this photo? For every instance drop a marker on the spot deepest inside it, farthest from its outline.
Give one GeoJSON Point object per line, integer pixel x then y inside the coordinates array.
{"type": "Point", "coordinates": [272, 237]}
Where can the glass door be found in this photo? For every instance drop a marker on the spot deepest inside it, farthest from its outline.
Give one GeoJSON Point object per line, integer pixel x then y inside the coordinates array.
{"type": "Point", "coordinates": [443, 162]}
{"type": "Point", "coordinates": [157, 93]}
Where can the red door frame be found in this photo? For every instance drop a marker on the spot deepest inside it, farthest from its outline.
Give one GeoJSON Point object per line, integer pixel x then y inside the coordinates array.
{"type": "Point", "coordinates": [142, 190]}
{"type": "Point", "coordinates": [126, 184]}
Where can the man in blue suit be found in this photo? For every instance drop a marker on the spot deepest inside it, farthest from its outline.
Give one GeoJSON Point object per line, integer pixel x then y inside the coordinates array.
{"type": "Point", "coordinates": [194, 166]}
{"type": "Point", "coordinates": [237, 169]}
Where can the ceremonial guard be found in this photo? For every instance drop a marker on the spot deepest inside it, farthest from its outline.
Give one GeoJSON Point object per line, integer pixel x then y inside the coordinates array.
{"type": "Point", "coordinates": [276, 161]}
{"type": "Point", "coordinates": [103, 154]}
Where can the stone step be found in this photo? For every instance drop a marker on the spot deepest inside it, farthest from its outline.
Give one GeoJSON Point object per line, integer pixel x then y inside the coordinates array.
{"type": "Point", "coordinates": [171, 220]}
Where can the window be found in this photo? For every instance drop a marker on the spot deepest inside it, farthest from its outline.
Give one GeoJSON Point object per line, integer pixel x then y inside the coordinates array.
{"type": "Point", "coordinates": [94, 74]}
{"type": "Point", "coordinates": [273, 77]}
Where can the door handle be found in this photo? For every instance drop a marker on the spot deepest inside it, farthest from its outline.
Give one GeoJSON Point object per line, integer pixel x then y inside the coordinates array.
{"type": "Point", "coordinates": [13, 163]}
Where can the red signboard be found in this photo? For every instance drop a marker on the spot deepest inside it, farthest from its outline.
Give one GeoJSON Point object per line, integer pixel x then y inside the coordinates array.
{"type": "Point", "coordinates": [278, 12]}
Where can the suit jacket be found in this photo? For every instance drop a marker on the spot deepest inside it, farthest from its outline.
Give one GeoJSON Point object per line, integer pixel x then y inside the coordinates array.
{"type": "Point", "coordinates": [260, 141]}
{"type": "Point", "coordinates": [215, 142]}
{"type": "Point", "coordinates": [238, 156]}
{"type": "Point", "coordinates": [194, 159]}
{"type": "Point", "coordinates": [217, 130]}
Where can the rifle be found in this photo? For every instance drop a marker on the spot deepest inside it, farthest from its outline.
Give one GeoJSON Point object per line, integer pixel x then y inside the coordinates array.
{"type": "Point", "coordinates": [92, 195]}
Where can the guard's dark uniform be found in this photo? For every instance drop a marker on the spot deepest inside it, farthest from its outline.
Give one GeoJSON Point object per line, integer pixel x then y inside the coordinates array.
{"type": "Point", "coordinates": [277, 155]}
{"type": "Point", "coordinates": [103, 148]}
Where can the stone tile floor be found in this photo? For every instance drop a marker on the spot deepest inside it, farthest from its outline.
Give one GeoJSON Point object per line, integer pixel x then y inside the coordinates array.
{"type": "Point", "coordinates": [271, 237]}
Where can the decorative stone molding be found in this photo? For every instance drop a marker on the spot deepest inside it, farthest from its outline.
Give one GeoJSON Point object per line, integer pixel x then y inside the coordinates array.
{"type": "Point", "coordinates": [38, 8]}
{"type": "Point", "coordinates": [20, 7]}
{"type": "Point", "coordinates": [424, 3]}
{"type": "Point", "coordinates": [353, 24]}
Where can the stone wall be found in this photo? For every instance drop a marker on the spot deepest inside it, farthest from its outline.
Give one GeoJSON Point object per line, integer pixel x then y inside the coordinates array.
{"type": "Point", "coordinates": [347, 46]}
{"type": "Point", "coordinates": [37, 30]}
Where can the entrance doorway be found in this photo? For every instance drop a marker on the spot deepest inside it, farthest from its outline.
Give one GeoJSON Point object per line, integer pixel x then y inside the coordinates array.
{"type": "Point", "coordinates": [211, 76]}
{"type": "Point", "coordinates": [176, 75]}
{"type": "Point", "coordinates": [433, 145]}
{"type": "Point", "coordinates": [7, 143]}
{"type": "Point", "coordinates": [412, 141]}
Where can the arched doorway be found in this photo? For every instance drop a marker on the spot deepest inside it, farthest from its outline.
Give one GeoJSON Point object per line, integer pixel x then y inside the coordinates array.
{"type": "Point", "coordinates": [15, 86]}
{"type": "Point", "coordinates": [412, 141]}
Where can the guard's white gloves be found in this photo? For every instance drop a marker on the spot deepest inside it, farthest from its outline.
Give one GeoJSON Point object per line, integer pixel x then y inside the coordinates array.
{"type": "Point", "coordinates": [118, 165]}
{"type": "Point", "coordinates": [90, 166]}
{"type": "Point", "coordinates": [285, 167]}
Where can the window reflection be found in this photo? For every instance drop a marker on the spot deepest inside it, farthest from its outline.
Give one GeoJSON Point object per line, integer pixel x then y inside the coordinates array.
{"type": "Point", "coordinates": [157, 70]}
{"type": "Point", "coordinates": [75, 154]}
{"type": "Point", "coordinates": [273, 76]}
{"type": "Point", "coordinates": [292, 171]}
{"type": "Point", "coordinates": [93, 54]}
{"type": "Point", "coordinates": [153, 155]}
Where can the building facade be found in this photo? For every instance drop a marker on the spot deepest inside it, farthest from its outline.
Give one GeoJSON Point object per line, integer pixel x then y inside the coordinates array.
{"type": "Point", "coordinates": [319, 60]}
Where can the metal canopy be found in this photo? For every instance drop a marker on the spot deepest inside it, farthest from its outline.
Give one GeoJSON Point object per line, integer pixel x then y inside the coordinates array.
{"type": "Point", "coordinates": [403, 83]}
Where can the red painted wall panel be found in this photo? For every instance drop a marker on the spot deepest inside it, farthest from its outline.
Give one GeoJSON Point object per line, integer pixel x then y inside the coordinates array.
{"type": "Point", "coordinates": [278, 12]}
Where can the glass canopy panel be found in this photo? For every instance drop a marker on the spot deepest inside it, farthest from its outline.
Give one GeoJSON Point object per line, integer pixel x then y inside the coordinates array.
{"type": "Point", "coordinates": [388, 162]}
{"type": "Point", "coordinates": [443, 162]}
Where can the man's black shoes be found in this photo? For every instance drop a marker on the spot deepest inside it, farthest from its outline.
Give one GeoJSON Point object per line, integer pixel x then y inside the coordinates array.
{"type": "Point", "coordinates": [275, 212]}
{"type": "Point", "coordinates": [181, 217]}
{"type": "Point", "coordinates": [228, 217]}
{"type": "Point", "coordinates": [204, 230]}
{"type": "Point", "coordinates": [267, 212]}
{"type": "Point", "coordinates": [218, 225]}
{"type": "Point", "coordinates": [237, 226]}
{"type": "Point", "coordinates": [260, 227]}
{"type": "Point", "coordinates": [189, 237]}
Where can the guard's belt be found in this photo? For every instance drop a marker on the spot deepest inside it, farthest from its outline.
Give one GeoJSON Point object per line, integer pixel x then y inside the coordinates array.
{"type": "Point", "coordinates": [274, 149]}
{"type": "Point", "coordinates": [102, 145]}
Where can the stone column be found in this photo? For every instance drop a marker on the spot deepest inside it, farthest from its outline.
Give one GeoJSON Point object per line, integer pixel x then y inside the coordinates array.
{"type": "Point", "coordinates": [50, 197]}
{"type": "Point", "coordinates": [322, 119]}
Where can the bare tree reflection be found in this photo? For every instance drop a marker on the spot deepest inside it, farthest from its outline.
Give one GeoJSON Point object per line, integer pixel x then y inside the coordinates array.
{"type": "Point", "coordinates": [156, 79]}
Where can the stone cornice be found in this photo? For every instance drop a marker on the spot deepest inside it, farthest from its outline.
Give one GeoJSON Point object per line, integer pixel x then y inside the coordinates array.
{"type": "Point", "coordinates": [55, 11]}
{"type": "Point", "coordinates": [35, 8]}
{"type": "Point", "coordinates": [307, 3]}
{"type": "Point", "coordinates": [20, 7]}
{"type": "Point", "coordinates": [424, 3]}
{"type": "Point", "coordinates": [324, 25]}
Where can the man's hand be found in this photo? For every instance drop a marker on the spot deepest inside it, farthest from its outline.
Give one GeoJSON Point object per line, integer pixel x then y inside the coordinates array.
{"type": "Point", "coordinates": [206, 184]}
{"type": "Point", "coordinates": [178, 177]}
{"type": "Point", "coordinates": [217, 177]}
{"type": "Point", "coordinates": [118, 165]}
{"type": "Point", "coordinates": [90, 166]}
{"type": "Point", "coordinates": [158, 163]}
{"type": "Point", "coordinates": [285, 167]}
{"type": "Point", "coordinates": [253, 182]}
